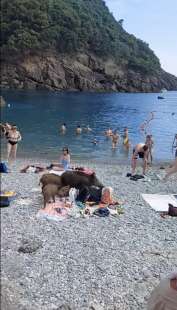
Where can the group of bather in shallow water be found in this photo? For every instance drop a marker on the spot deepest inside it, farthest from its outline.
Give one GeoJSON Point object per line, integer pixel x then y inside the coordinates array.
{"type": "Point", "coordinates": [140, 151]}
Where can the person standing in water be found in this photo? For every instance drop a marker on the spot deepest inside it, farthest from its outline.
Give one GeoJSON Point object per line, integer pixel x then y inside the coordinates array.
{"type": "Point", "coordinates": [126, 138]}
{"type": "Point", "coordinates": [140, 151]}
{"type": "Point", "coordinates": [78, 130]}
{"type": "Point", "coordinates": [108, 132]}
{"type": "Point", "coordinates": [115, 139]}
{"type": "Point", "coordinates": [13, 137]}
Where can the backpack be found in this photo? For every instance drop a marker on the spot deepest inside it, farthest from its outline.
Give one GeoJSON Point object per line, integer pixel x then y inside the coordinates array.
{"type": "Point", "coordinates": [3, 168]}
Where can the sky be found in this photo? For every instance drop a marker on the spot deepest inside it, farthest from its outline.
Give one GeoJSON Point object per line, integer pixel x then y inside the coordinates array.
{"type": "Point", "coordinates": [153, 21]}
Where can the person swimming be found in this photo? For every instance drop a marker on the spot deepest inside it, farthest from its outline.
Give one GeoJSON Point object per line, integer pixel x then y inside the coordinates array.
{"type": "Point", "coordinates": [78, 130]}
{"type": "Point", "coordinates": [115, 139]}
{"type": "Point", "coordinates": [95, 141]}
{"type": "Point", "coordinates": [88, 129]}
{"type": "Point", "coordinates": [63, 128]}
{"type": "Point", "coordinates": [140, 151]}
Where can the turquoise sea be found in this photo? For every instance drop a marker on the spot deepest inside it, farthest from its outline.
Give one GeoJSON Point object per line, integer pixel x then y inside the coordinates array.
{"type": "Point", "coordinates": [39, 114]}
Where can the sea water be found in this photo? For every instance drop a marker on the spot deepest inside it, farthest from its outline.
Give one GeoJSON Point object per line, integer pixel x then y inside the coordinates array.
{"type": "Point", "coordinates": [39, 115]}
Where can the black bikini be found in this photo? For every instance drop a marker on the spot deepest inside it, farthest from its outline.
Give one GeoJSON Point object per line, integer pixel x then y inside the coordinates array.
{"type": "Point", "coordinates": [12, 142]}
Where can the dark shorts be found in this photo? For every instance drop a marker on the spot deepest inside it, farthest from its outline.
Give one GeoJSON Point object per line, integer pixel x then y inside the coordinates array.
{"type": "Point", "coordinates": [140, 154]}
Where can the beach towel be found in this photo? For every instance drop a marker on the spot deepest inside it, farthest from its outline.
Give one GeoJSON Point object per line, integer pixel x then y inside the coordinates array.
{"type": "Point", "coordinates": [54, 211]}
{"type": "Point", "coordinates": [160, 203]}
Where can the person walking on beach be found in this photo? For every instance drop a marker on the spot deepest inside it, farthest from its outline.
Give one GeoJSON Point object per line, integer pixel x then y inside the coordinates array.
{"type": "Point", "coordinates": [150, 143]}
{"type": "Point", "coordinates": [78, 130]}
{"type": "Point", "coordinates": [140, 151]}
{"type": "Point", "coordinates": [115, 139]}
{"type": "Point", "coordinates": [13, 137]}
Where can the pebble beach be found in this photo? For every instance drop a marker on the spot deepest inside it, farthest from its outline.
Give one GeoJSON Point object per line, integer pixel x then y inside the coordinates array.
{"type": "Point", "coordinates": [91, 263]}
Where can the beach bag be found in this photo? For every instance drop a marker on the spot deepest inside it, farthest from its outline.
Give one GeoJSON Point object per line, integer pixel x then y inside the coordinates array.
{"type": "Point", "coordinates": [102, 212]}
{"type": "Point", "coordinates": [83, 195]}
{"type": "Point", "coordinates": [172, 211]}
{"type": "Point", "coordinates": [95, 194]}
{"type": "Point", "coordinates": [3, 168]}
{"type": "Point", "coordinates": [4, 201]}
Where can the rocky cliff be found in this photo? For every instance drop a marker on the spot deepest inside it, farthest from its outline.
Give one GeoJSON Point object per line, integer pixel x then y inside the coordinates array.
{"type": "Point", "coordinates": [82, 72]}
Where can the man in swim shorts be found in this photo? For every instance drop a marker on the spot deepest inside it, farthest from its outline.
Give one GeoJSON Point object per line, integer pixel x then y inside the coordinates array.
{"type": "Point", "coordinates": [140, 151]}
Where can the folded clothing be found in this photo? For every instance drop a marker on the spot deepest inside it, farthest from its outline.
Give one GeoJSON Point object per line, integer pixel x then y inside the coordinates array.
{"type": "Point", "coordinates": [102, 212]}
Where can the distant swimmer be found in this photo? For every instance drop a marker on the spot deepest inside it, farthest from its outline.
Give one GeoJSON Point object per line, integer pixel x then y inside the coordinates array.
{"type": "Point", "coordinates": [140, 151]}
{"type": "Point", "coordinates": [95, 142]}
{"type": "Point", "coordinates": [108, 132]}
{"type": "Point", "coordinates": [171, 170]}
{"type": "Point", "coordinates": [78, 130]}
{"type": "Point", "coordinates": [63, 128]}
{"type": "Point", "coordinates": [115, 139]}
{"type": "Point", "coordinates": [126, 142]}
{"type": "Point", "coordinates": [88, 129]}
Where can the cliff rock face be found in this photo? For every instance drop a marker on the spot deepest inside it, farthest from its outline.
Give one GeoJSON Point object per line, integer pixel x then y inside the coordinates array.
{"type": "Point", "coordinates": [83, 72]}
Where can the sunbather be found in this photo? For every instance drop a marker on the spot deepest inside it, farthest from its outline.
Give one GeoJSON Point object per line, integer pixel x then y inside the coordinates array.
{"type": "Point", "coordinates": [65, 161]}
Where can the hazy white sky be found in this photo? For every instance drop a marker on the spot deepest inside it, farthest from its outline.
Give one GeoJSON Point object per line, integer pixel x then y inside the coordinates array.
{"type": "Point", "coordinates": [154, 21]}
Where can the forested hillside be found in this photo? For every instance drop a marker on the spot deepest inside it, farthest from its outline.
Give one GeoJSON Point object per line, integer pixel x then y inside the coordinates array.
{"type": "Point", "coordinates": [70, 28]}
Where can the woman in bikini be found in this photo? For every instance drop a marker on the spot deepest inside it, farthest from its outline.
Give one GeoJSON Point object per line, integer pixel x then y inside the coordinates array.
{"type": "Point", "coordinates": [115, 139]}
{"type": "Point", "coordinates": [13, 137]}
